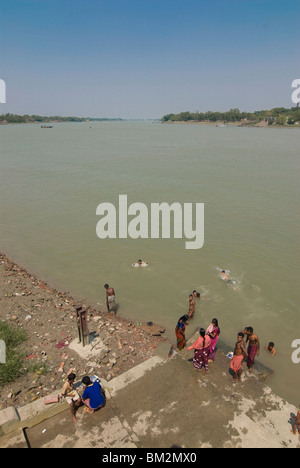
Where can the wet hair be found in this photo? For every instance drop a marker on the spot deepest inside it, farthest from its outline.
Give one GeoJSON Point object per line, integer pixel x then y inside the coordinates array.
{"type": "Point", "coordinates": [241, 334]}
{"type": "Point", "coordinates": [249, 329]}
{"type": "Point", "coordinates": [202, 333]}
{"type": "Point", "coordinates": [184, 318]}
{"type": "Point", "coordinates": [71, 376]}
{"type": "Point", "coordinates": [271, 344]}
{"type": "Point", "coordinates": [216, 322]}
{"type": "Point", "coordinates": [86, 380]}
{"type": "Point", "coordinates": [106, 286]}
{"type": "Point", "coordinates": [223, 271]}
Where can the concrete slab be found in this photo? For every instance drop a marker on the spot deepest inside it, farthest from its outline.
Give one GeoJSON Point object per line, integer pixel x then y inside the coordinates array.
{"type": "Point", "coordinates": [9, 420]}
{"type": "Point", "coordinates": [37, 411]}
{"type": "Point", "coordinates": [164, 403]}
{"type": "Point", "coordinates": [14, 439]}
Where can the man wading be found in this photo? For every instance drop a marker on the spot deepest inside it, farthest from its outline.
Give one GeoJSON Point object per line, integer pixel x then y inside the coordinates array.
{"type": "Point", "coordinates": [110, 299]}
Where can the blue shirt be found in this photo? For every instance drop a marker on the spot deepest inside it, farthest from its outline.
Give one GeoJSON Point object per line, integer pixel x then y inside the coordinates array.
{"type": "Point", "coordinates": [93, 392]}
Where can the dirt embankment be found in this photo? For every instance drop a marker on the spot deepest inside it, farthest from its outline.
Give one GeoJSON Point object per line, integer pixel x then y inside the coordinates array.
{"type": "Point", "coordinates": [49, 319]}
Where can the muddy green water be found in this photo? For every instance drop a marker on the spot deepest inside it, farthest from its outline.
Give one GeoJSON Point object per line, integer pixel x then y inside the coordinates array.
{"type": "Point", "coordinates": [52, 181]}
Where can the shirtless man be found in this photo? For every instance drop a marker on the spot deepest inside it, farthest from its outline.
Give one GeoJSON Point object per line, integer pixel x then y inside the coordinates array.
{"type": "Point", "coordinates": [192, 306]}
{"type": "Point", "coordinates": [71, 396]}
{"type": "Point", "coordinates": [253, 348]}
{"type": "Point", "coordinates": [232, 283]}
{"type": "Point", "coordinates": [296, 423]}
{"type": "Point", "coordinates": [225, 277]}
{"type": "Point", "coordinates": [110, 298]}
{"type": "Point", "coordinates": [238, 357]}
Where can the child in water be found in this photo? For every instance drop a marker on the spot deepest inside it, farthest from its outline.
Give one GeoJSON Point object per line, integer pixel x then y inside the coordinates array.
{"type": "Point", "coordinates": [271, 348]}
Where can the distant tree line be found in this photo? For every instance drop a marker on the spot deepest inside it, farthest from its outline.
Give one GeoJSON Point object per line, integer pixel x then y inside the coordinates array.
{"type": "Point", "coordinates": [14, 118]}
{"type": "Point", "coordinates": [278, 115]}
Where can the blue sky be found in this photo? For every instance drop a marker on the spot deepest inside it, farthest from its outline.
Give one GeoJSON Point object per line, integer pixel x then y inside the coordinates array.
{"type": "Point", "coordinates": [147, 58]}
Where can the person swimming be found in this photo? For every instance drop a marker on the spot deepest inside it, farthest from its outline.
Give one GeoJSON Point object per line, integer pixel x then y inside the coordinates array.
{"type": "Point", "coordinates": [227, 278]}
{"type": "Point", "coordinates": [140, 263]}
{"type": "Point", "coordinates": [271, 348]}
{"type": "Point", "coordinates": [224, 276]}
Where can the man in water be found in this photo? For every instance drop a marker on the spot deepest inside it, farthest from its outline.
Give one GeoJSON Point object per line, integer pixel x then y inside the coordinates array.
{"type": "Point", "coordinates": [110, 298]}
{"type": "Point", "coordinates": [228, 280]}
{"type": "Point", "coordinates": [271, 348]}
{"type": "Point", "coordinates": [192, 306]}
{"type": "Point", "coordinates": [238, 357]}
{"type": "Point", "coordinates": [253, 348]}
{"type": "Point", "coordinates": [225, 277]}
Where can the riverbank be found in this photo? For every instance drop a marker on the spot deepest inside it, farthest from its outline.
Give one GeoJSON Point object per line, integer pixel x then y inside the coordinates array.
{"type": "Point", "coordinates": [260, 124]}
{"type": "Point", "coordinates": [141, 382]}
{"type": "Point", "coordinates": [163, 403]}
{"type": "Point", "coordinates": [49, 319]}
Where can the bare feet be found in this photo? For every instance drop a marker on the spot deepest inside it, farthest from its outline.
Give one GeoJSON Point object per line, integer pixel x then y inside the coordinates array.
{"type": "Point", "coordinates": [88, 410]}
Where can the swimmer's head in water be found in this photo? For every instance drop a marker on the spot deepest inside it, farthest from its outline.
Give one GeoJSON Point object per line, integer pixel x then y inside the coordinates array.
{"type": "Point", "coordinates": [106, 286]}
{"type": "Point", "coordinates": [223, 271]}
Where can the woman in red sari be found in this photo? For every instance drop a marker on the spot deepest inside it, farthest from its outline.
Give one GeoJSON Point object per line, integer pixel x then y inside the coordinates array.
{"type": "Point", "coordinates": [180, 332]}
{"type": "Point", "coordinates": [201, 353]}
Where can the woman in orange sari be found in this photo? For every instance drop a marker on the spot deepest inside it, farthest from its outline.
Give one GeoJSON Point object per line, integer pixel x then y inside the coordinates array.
{"type": "Point", "coordinates": [180, 332]}
{"type": "Point", "coordinates": [201, 353]}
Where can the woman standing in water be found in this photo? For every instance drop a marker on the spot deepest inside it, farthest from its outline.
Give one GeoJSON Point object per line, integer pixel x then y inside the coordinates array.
{"type": "Point", "coordinates": [201, 347]}
{"type": "Point", "coordinates": [213, 332]}
{"type": "Point", "coordinates": [180, 332]}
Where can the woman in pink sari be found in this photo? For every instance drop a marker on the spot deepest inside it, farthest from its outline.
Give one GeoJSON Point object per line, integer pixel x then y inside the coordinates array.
{"type": "Point", "coordinates": [213, 332]}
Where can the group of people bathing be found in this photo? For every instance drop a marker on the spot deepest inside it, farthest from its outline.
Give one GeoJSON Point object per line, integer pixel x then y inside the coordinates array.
{"type": "Point", "coordinates": [205, 346]}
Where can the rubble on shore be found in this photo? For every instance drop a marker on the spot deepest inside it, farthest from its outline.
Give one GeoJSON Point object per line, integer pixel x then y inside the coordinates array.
{"type": "Point", "coordinates": [49, 319]}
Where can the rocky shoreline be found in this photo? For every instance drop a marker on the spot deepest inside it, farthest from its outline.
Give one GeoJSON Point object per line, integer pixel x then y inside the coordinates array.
{"type": "Point", "coordinates": [49, 319]}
